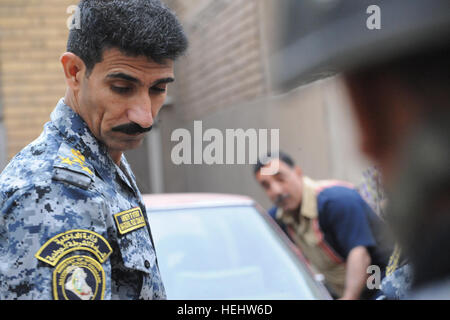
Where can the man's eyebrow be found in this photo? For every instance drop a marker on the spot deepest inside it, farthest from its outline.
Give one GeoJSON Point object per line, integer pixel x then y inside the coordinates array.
{"type": "Point", "coordinates": [165, 80]}
{"type": "Point", "coordinates": [126, 77]}
{"type": "Point", "coordinates": [123, 76]}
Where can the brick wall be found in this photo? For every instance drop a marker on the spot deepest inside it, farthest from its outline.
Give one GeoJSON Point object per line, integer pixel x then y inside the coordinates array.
{"type": "Point", "coordinates": [224, 65]}
{"type": "Point", "coordinates": [33, 36]}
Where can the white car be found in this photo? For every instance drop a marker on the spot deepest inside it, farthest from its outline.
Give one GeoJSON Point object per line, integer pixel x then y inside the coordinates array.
{"type": "Point", "coordinates": [220, 247]}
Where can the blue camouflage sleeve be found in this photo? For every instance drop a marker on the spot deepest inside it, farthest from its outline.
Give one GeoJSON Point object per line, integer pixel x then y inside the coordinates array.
{"type": "Point", "coordinates": [30, 217]}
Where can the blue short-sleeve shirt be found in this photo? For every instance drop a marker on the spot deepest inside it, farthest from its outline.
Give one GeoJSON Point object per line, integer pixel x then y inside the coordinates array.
{"type": "Point", "coordinates": [347, 222]}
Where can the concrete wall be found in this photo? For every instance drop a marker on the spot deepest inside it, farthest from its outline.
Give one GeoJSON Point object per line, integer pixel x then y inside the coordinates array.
{"type": "Point", "coordinates": [315, 125]}
{"type": "Point", "coordinates": [225, 82]}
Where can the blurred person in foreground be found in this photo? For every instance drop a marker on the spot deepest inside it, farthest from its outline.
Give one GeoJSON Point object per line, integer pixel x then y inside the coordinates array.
{"type": "Point", "coordinates": [398, 78]}
{"type": "Point", "coordinates": [408, 98]}
{"type": "Point", "coordinates": [335, 229]}
{"type": "Point", "coordinates": [73, 224]}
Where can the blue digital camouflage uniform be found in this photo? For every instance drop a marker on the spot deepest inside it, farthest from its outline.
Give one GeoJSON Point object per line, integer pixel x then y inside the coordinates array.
{"type": "Point", "coordinates": [396, 286]}
{"type": "Point", "coordinates": [399, 277]}
{"type": "Point", "coordinates": [72, 223]}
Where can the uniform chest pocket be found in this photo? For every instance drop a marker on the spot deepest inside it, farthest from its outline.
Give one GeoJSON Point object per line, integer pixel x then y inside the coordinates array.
{"type": "Point", "coordinates": [137, 251]}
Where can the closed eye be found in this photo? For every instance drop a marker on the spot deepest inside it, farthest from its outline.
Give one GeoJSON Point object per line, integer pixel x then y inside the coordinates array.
{"type": "Point", "coordinates": [157, 89]}
{"type": "Point", "coordinates": [121, 90]}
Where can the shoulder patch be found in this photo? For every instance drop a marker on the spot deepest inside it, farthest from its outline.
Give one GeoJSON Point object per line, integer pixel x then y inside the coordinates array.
{"type": "Point", "coordinates": [71, 167]}
{"type": "Point", "coordinates": [82, 240]}
{"type": "Point", "coordinates": [79, 278]}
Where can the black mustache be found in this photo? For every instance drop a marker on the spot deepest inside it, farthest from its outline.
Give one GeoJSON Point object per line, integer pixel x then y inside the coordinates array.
{"type": "Point", "coordinates": [280, 199]}
{"type": "Point", "coordinates": [131, 128]}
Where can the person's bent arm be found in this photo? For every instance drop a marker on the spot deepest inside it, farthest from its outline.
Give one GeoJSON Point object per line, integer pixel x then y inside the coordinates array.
{"type": "Point", "coordinates": [356, 276]}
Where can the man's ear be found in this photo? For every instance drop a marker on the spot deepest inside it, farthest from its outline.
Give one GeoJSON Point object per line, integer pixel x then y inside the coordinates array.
{"type": "Point", "coordinates": [74, 68]}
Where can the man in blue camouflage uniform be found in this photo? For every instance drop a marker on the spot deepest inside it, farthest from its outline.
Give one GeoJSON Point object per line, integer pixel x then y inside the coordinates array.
{"type": "Point", "coordinates": [73, 224]}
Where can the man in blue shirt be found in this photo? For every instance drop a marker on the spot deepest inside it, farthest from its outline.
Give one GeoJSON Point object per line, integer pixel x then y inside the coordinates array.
{"type": "Point", "coordinates": [330, 222]}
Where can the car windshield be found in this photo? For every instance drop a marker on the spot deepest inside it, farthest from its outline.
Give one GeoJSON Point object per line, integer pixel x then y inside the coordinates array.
{"type": "Point", "coordinates": [226, 253]}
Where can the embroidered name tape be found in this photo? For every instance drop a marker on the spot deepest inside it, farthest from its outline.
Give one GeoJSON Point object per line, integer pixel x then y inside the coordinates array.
{"type": "Point", "coordinates": [75, 240]}
{"type": "Point", "coordinates": [129, 220]}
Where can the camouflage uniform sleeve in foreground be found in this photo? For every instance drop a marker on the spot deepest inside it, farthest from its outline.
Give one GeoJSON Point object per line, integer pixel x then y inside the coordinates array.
{"type": "Point", "coordinates": [396, 286]}
{"type": "Point", "coordinates": [32, 217]}
{"type": "Point", "coordinates": [73, 225]}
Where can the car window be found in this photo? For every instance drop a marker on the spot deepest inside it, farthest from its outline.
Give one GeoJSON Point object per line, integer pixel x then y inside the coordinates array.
{"type": "Point", "coordinates": [226, 253]}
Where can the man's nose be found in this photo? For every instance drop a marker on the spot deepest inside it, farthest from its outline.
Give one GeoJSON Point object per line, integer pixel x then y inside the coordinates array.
{"type": "Point", "coordinates": [275, 190]}
{"type": "Point", "coordinates": [141, 113]}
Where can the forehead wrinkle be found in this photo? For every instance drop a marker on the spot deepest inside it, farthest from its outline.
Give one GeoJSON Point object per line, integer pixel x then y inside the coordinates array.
{"type": "Point", "coordinates": [138, 67]}
{"type": "Point", "coordinates": [134, 70]}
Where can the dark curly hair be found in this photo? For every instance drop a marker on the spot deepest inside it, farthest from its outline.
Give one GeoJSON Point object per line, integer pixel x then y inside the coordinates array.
{"type": "Point", "coordinates": [135, 27]}
{"type": "Point", "coordinates": [265, 158]}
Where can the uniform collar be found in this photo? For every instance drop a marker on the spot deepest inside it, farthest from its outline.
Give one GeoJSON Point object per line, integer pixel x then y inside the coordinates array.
{"type": "Point", "coordinates": [308, 208]}
{"type": "Point", "coordinates": [77, 134]}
